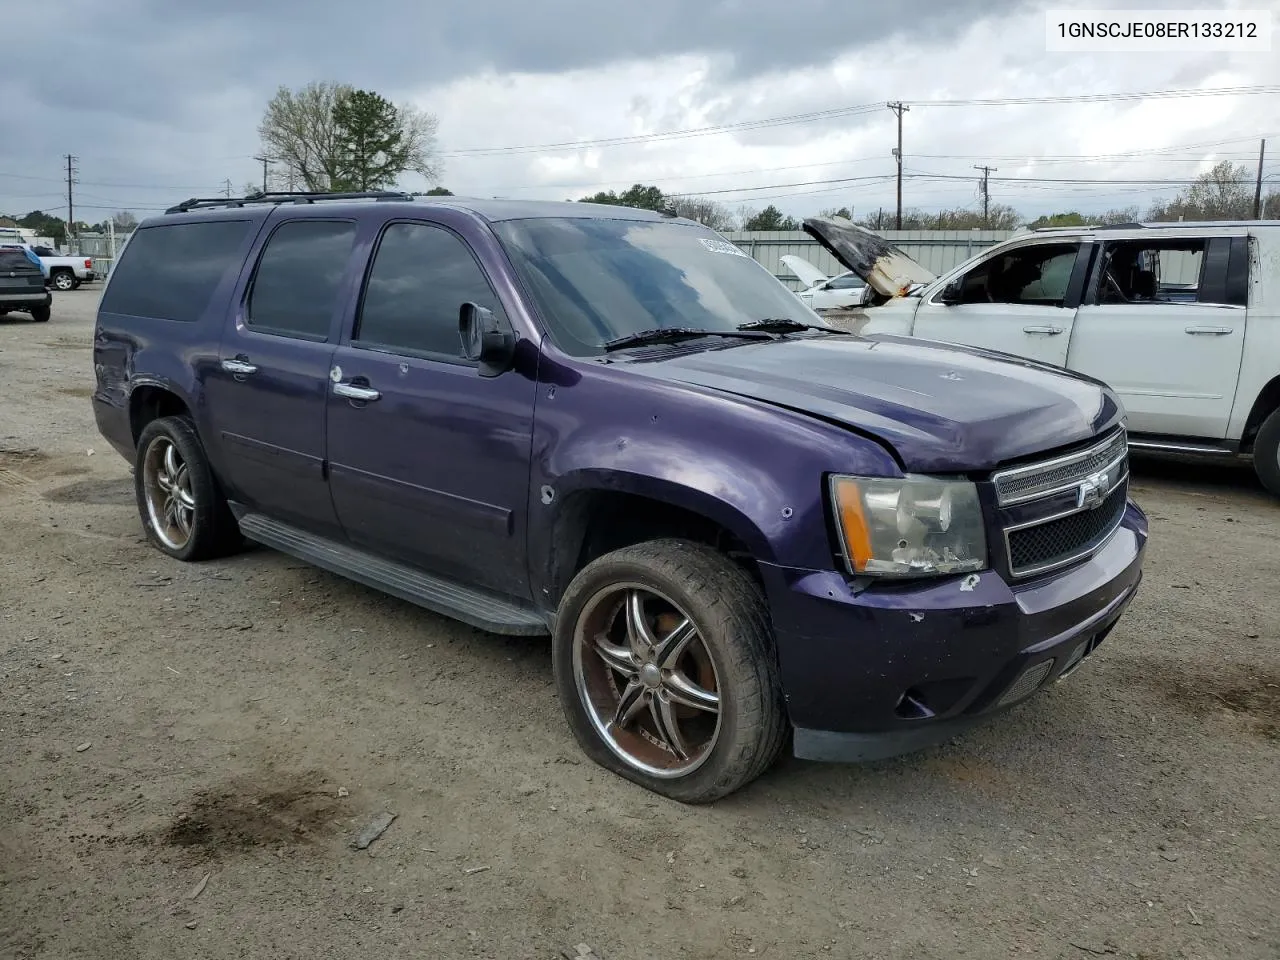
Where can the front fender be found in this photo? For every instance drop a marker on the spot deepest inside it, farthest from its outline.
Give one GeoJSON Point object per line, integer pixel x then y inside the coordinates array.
{"type": "Point", "coordinates": [754, 469]}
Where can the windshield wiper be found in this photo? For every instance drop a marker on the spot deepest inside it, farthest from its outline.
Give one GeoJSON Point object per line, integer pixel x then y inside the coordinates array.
{"type": "Point", "coordinates": [672, 334]}
{"type": "Point", "coordinates": [785, 325]}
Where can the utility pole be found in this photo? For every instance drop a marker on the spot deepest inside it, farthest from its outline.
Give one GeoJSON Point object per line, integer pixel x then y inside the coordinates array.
{"type": "Point", "coordinates": [986, 194]}
{"type": "Point", "coordinates": [264, 172]}
{"type": "Point", "coordinates": [899, 108]}
{"type": "Point", "coordinates": [71, 210]}
{"type": "Point", "coordinates": [226, 187]}
{"type": "Point", "coordinates": [1257, 190]}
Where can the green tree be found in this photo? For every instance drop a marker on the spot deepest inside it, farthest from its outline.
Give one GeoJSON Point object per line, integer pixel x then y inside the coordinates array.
{"type": "Point", "coordinates": [322, 138]}
{"type": "Point", "coordinates": [637, 195]}
{"type": "Point", "coordinates": [770, 218]}
{"type": "Point", "coordinates": [438, 192]}
{"type": "Point", "coordinates": [45, 225]}
{"type": "Point", "coordinates": [836, 212]}
{"type": "Point", "coordinates": [372, 151]}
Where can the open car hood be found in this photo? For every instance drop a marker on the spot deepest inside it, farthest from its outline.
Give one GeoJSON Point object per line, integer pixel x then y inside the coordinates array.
{"type": "Point", "coordinates": [881, 265]}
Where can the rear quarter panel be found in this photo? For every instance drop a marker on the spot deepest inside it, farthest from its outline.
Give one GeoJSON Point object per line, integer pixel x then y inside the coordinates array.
{"type": "Point", "coordinates": [1261, 361]}
{"type": "Point", "coordinates": [131, 352]}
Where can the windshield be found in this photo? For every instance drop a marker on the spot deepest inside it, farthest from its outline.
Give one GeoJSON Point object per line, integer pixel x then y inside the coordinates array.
{"type": "Point", "coordinates": [596, 280]}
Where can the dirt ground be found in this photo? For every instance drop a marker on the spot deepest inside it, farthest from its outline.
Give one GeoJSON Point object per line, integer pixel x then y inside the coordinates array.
{"type": "Point", "coordinates": [243, 720]}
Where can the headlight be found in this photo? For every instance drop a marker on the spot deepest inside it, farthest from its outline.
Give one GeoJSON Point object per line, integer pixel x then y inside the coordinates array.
{"type": "Point", "coordinates": [913, 527]}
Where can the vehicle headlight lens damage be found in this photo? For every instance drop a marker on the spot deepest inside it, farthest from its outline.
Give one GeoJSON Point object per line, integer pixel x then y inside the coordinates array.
{"type": "Point", "coordinates": [912, 527]}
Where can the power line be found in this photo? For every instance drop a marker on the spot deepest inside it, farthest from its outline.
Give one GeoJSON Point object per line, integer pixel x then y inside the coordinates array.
{"type": "Point", "coordinates": [859, 109]}
{"type": "Point", "coordinates": [669, 134]}
{"type": "Point", "coordinates": [1101, 97]}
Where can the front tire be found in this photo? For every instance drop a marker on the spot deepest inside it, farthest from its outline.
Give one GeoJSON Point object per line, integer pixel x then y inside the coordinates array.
{"type": "Point", "coordinates": [1266, 453]}
{"type": "Point", "coordinates": [665, 668]}
{"type": "Point", "coordinates": [182, 508]}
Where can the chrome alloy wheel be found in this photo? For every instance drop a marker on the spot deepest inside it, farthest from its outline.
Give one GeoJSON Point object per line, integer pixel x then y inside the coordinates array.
{"type": "Point", "coordinates": [166, 485]}
{"type": "Point", "coordinates": [647, 680]}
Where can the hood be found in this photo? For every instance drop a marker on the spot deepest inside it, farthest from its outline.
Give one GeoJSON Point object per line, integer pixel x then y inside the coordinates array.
{"type": "Point", "coordinates": [881, 265]}
{"type": "Point", "coordinates": [941, 407]}
{"type": "Point", "coordinates": [807, 273]}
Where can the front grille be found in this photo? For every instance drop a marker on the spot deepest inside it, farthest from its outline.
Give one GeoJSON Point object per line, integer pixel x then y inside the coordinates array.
{"type": "Point", "coordinates": [1061, 510]}
{"type": "Point", "coordinates": [1039, 479]}
{"type": "Point", "coordinates": [1063, 540]}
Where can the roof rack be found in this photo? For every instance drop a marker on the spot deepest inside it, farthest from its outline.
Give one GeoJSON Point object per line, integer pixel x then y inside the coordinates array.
{"type": "Point", "coordinates": [1091, 226]}
{"type": "Point", "coordinates": [207, 203]}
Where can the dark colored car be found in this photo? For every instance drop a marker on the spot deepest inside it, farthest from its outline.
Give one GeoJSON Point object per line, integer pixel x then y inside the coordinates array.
{"type": "Point", "coordinates": [610, 425]}
{"type": "Point", "coordinates": [22, 285]}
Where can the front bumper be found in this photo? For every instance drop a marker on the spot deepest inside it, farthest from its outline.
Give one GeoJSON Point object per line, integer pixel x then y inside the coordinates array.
{"type": "Point", "coordinates": [884, 671]}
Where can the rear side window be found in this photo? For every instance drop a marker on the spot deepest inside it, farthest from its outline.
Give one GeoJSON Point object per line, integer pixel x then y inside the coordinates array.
{"type": "Point", "coordinates": [296, 286]}
{"type": "Point", "coordinates": [169, 272]}
{"type": "Point", "coordinates": [421, 276]}
{"type": "Point", "coordinates": [13, 260]}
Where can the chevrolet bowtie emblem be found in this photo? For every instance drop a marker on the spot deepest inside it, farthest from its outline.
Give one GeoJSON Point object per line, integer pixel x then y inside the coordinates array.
{"type": "Point", "coordinates": [1094, 489]}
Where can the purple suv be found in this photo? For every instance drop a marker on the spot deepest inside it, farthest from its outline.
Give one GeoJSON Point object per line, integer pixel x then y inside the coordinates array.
{"type": "Point", "coordinates": [737, 523]}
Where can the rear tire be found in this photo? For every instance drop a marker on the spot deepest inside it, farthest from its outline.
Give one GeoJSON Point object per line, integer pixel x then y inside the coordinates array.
{"type": "Point", "coordinates": [1266, 453]}
{"type": "Point", "coordinates": [706, 714]}
{"type": "Point", "coordinates": [63, 280]}
{"type": "Point", "coordinates": [181, 505]}
{"type": "Point", "coordinates": [41, 314]}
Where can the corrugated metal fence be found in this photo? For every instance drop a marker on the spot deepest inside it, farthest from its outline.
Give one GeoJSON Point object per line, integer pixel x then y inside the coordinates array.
{"type": "Point", "coordinates": [938, 250]}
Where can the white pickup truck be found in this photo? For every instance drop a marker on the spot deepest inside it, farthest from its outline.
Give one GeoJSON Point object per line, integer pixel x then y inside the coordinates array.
{"type": "Point", "coordinates": [1182, 320]}
{"type": "Point", "coordinates": [65, 273]}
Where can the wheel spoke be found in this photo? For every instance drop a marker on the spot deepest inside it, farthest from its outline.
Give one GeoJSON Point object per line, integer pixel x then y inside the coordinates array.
{"type": "Point", "coordinates": [674, 644]}
{"type": "Point", "coordinates": [171, 462]}
{"type": "Point", "coordinates": [639, 634]}
{"type": "Point", "coordinates": [683, 690]}
{"type": "Point", "coordinates": [182, 487]}
{"type": "Point", "coordinates": [619, 658]}
{"type": "Point", "coordinates": [182, 518]}
{"type": "Point", "coordinates": [664, 721]}
{"type": "Point", "coordinates": [629, 704]}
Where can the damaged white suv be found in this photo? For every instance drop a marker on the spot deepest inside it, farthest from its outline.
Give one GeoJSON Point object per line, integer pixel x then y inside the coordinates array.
{"type": "Point", "coordinates": [1182, 320]}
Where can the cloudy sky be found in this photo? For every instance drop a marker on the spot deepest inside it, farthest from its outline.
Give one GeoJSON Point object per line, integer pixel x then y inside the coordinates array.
{"type": "Point", "coordinates": [160, 99]}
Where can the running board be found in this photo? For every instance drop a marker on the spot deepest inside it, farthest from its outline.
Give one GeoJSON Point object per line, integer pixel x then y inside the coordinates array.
{"type": "Point", "coordinates": [481, 610]}
{"type": "Point", "coordinates": [1202, 450]}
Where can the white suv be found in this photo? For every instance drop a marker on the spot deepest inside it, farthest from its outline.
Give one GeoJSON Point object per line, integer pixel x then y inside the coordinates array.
{"type": "Point", "coordinates": [1182, 320]}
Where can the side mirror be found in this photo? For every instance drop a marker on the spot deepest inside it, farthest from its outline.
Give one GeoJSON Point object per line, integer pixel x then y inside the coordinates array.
{"type": "Point", "coordinates": [951, 293]}
{"type": "Point", "coordinates": [486, 339]}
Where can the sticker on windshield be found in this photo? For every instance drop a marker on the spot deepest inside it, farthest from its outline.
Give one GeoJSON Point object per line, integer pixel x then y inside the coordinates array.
{"type": "Point", "coordinates": [721, 246]}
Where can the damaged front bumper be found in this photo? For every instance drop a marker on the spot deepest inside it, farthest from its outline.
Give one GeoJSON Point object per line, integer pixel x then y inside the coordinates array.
{"type": "Point", "coordinates": [889, 670]}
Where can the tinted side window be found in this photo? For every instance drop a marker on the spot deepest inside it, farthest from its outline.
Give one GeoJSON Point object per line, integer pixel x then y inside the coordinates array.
{"type": "Point", "coordinates": [170, 271]}
{"type": "Point", "coordinates": [296, 286]}
{"type": "Point", "coordinates": [15, 260]}
{"type": "Point", "coordinates": [421, 275]}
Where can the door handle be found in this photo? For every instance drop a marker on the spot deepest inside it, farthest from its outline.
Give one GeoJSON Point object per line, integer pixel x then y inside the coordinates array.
{"type": "Point", "coordinates": [1209, 331]}
{"type": "Point", "coordinates": [238, 367]}
{"type": "Point", "coordinates": [352, 392]}
{"type": "Point", "coordinates": [1047, 331]}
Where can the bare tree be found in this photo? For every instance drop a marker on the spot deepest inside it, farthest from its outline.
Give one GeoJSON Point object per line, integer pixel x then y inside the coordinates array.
{"type": "Point", "coordinates": [420, 139]}
{"type": "Point", "coordinates": [1223, 193]}
{"type": "Point", "coordinates": [704, 211]}
{"type": "Point", "coordinates": [299, 132]}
